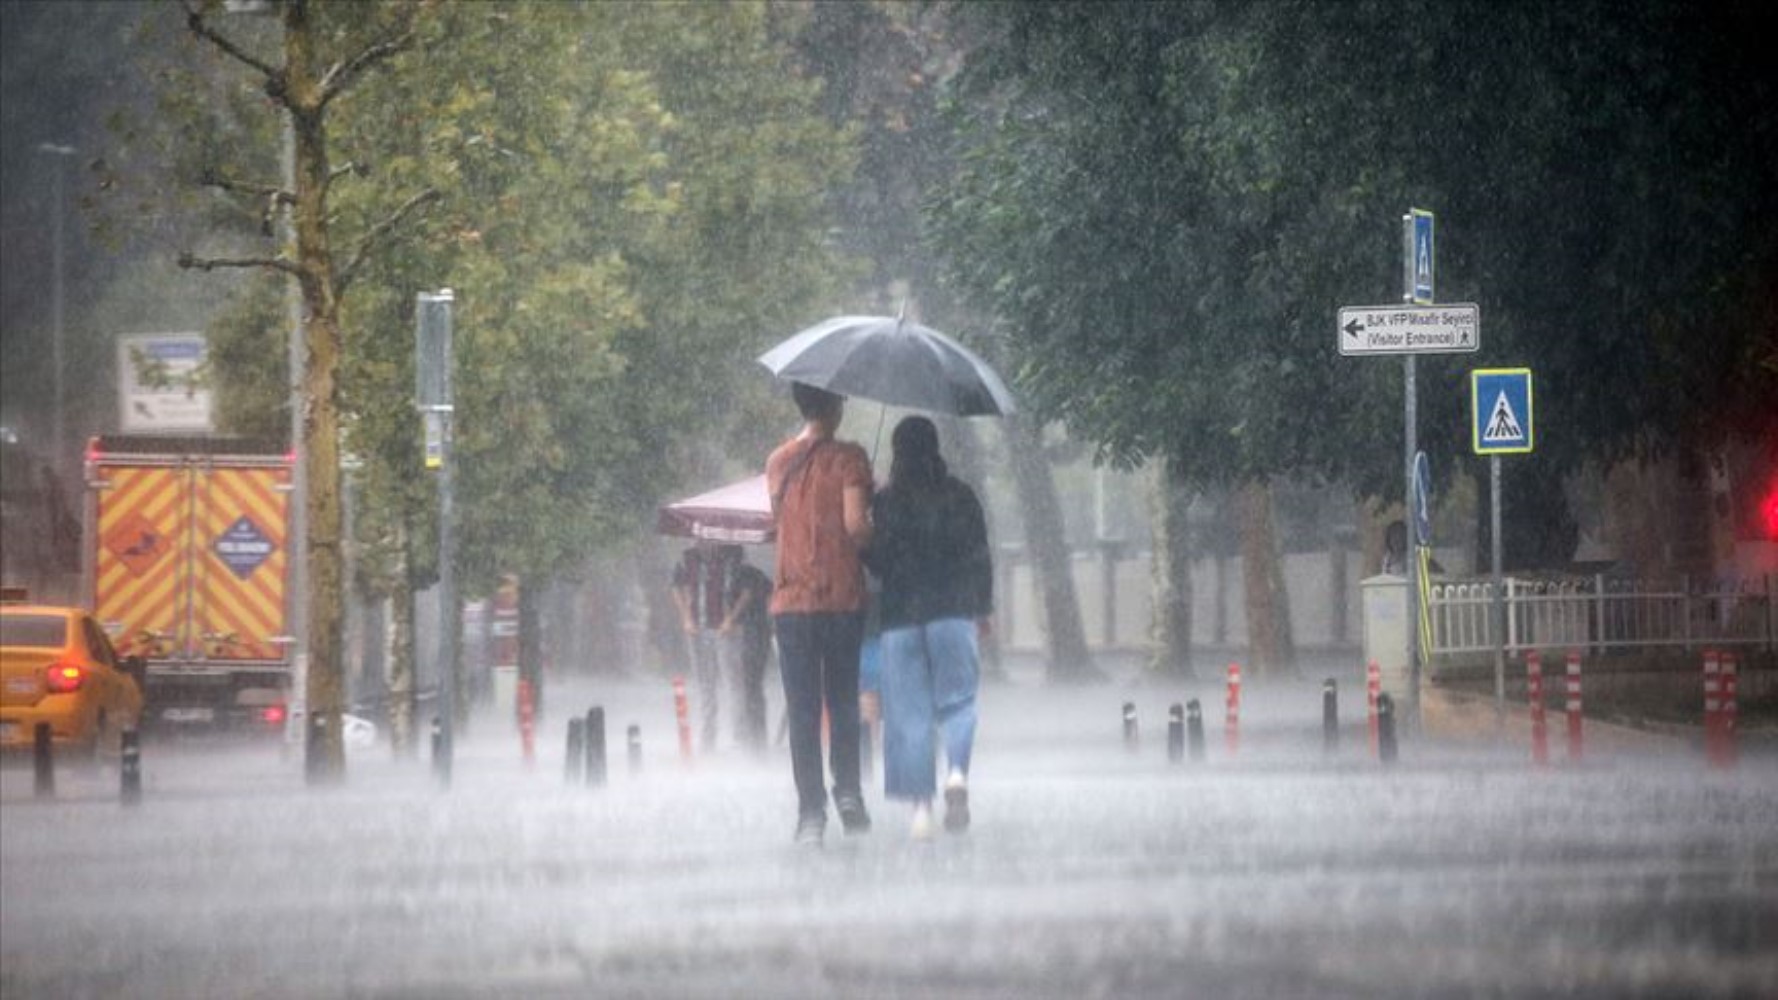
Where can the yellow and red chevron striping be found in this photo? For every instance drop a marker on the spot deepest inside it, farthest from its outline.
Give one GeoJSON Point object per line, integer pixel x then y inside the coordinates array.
{"type": "Point", "coordinates": [140, 569]}
{"type": "Point", "coordinates": [160, 567]}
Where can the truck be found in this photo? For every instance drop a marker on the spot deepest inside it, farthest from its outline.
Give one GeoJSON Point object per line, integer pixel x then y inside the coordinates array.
{"type": "Point", "coordinates": [185, 562]}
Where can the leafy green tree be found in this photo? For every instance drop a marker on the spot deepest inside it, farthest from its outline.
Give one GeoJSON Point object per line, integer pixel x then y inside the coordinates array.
{"type": "Point", "coordinates": [633, 205]}
{"type": "Point", "coordinates": [313, 68]}
{"type": "Point", "coordinates": [1167, 202]}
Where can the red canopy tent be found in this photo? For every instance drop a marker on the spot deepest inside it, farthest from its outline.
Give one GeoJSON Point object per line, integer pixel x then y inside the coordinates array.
{"type": "Point", "coordinates": [739, 513]}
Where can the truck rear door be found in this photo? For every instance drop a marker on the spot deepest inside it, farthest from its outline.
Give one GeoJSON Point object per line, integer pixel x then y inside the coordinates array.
{"type": "Point", "coordinates": [191, 560]}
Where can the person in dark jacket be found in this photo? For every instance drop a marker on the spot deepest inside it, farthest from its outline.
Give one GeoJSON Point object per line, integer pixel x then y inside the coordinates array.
{"type": "Point", "coordinates": [930, 550]}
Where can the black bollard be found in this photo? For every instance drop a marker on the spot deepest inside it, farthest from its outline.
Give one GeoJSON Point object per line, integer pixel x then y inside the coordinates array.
{"type": "Point", "coordinates": [1194, 728]}
{"type": "Point", "coordinates": [43, 757]}
{"type": "Point", "coordinates": [1330, 716]}
{"type": "Point", "coordinates": [635, 741]}
{"type": "Point", "coordinates": [315, 747]}
{"type": "Point", "coordinates": [1176, 733]}
{"type": "Point", "coordinates": [576, 749]}
{"type": "Point", "coordinates": [131, 790]}
{"type": "Point", "coordinates": [441, 753]}
{"type": "Point", "coordinates": [1385, 729]}
{"type": "Point", "coordinates": [595, 746]}
{"type": "Point", "coordinates": [1130, 739]}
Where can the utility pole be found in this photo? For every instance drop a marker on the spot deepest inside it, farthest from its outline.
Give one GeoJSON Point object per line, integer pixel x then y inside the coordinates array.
{"type": "Point", "coordinates": [432, 370]}
{"type": "Point", "coordinates": [58, 296]}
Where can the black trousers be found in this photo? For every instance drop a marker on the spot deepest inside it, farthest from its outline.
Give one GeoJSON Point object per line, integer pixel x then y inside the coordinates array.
{"type": "Point", "coordinates": [818, 657]}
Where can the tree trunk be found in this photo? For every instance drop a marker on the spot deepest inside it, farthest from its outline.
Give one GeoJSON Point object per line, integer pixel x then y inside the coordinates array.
{"type": "Point", "coordinates": [531, 640]}
{"type": "Point", "coordinates": [665, 637]}
{"type": "Point", "coordinates": [1271, 652]}
{"type": "Point", "coordinates": [1068, 658]}
{"type": "Point", "coordinates": [313, 255]}
{"type": "Point", "coordinates": [1170, 574]}
{"type": "Point", "coordinates": [401, 656]}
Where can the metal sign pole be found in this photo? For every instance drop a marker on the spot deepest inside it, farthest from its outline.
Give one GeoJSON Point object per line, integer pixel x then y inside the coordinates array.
{"type": "Point", "coordinates": [1412, 548]}
{"type": "Point", "coordinates": [1499, 593]}
{"type": "Point", "coordinates": [432, 364]}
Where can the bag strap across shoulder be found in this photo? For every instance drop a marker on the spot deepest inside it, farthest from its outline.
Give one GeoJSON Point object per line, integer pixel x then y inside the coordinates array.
{"type": "Point", "coordinates": [791, 473]}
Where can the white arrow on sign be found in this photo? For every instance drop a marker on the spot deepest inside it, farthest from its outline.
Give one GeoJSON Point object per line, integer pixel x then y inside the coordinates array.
{"type": "Point", "coordinates": [1445, 329]}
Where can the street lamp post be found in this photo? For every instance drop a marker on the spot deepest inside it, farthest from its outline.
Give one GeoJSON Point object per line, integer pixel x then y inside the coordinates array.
{"type": "Point", "coordinates": [58, 438]}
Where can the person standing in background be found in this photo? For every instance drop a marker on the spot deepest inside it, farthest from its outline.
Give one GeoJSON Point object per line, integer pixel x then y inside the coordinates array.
{"type": "Point", "coordinates": [820, 489]}
{"type": "Point", "coordinates": [930, 551]}
{"type": "Point", "coordinates": [749, 612]}
{"type": "Point", "coordinates": [701, 590]}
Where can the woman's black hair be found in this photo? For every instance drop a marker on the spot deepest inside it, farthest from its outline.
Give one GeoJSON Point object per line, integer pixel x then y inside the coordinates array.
{"type": "Point", "coordinates": [916, 463]}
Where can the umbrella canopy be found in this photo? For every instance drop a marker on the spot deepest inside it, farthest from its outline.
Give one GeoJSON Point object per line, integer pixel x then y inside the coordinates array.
{"type": "Point", "coordinates": [894, 361]}
{"type": "Point", "coordinates": [739, 512]}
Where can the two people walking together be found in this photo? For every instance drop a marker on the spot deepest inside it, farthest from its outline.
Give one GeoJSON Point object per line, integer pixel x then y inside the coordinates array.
{"type": "Point", "coordinates": [925, 538]}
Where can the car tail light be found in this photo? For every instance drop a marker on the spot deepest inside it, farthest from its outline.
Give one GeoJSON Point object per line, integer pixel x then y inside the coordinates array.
{"type": "Point", "coordinates": [64, 678]}
{"type": "Point", "coordinates": [272, 714]}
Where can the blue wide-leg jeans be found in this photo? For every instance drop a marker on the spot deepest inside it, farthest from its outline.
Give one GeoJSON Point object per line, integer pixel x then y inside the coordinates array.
{"type": "Point", "coordinates": [930, 676]}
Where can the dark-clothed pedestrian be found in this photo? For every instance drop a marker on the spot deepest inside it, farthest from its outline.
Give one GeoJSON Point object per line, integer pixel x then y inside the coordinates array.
{"type": "Point", "coordinates": [750, 595]}
{"type": "Point", "coordinates": [820, 489]}
{"type": "Point", "coordinates": [702, 592]}
{"type": "Point", "coordinates": [930, 552]}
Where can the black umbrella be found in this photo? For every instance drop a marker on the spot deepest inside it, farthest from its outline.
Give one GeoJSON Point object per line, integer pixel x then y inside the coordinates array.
{"type": "Point", "coordinates": [891, 360]}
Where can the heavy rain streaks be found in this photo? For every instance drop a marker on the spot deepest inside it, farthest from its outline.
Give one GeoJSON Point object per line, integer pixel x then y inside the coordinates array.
{"type": "Point", "coordinates": [1089, 872]}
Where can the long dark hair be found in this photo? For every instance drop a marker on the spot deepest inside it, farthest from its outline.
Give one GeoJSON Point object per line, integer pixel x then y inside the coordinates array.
{"type": "Point", "coordinates": [916, 464]}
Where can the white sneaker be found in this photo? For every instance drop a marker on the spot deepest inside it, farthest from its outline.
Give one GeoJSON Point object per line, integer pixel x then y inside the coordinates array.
{"type": "Point", "coordinates": [921, 827]}
{"type": "Point", "coordinates": [956, 803]}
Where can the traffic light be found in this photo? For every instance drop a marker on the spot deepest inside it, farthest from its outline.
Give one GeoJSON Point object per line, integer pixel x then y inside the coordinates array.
{"type": "Point", "coordinates": [1759, 509]}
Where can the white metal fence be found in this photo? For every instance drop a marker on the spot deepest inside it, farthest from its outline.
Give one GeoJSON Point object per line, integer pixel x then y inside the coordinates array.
{"type": "Point", "coordinates": [1601, 614]}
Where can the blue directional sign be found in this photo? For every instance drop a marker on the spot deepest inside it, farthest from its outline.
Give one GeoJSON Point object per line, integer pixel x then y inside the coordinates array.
{"type": "Point", "coordinates": [1420, 256]}
{"type": "Point", "coordinates": [1422, 499]}
{"type": "Point", "coordinates": [1501, 410]}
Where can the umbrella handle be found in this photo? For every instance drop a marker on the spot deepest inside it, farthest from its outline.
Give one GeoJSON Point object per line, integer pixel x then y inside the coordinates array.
{"type": "Point", "coordinates": [882, 412]}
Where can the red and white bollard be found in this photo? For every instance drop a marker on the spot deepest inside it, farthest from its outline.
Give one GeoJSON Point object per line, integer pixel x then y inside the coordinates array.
{"type": "Point", "coordinates": [1720, 709]}
{"type": "Point", "coordinates": [1373, 689]}
{"type": "Point", "coordinates": [1574, 713]}
{"type": "Point", "coordinates": [527, 722]}
{"type": "Point", "coordinates": [1540, 734]}
{"type": "Point", "coordinates": [1232, 721]}
{"type": "Point", "coordinates": [1731, 710]}
{"type": "Point", "coordinates": [682, 712]}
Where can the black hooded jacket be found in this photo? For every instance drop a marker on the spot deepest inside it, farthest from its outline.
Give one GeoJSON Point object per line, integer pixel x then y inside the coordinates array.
{"type": "Point", "coordinates": [929, 549]}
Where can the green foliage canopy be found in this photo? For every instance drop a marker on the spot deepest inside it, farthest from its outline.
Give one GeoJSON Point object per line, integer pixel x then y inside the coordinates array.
{"type": "Point", "coordinates": [1165, 204]}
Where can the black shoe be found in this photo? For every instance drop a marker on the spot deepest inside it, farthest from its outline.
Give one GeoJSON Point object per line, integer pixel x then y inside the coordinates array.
{"type": "Point", "coordinates": [853, 818]}
{"type": "Point", "coordinates": [809, 829]}
{"type": "Point", "coordinates": [956, 808]}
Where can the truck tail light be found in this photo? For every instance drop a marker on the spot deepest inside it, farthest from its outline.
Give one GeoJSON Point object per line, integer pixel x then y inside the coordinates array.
{"type": "Point", "coordinates": [64, 678]}
{"type": "Point", "coordinates": [272, 715]}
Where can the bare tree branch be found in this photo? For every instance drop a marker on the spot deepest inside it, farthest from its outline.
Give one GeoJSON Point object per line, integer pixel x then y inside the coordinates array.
{"type": "Point", "coordinates": [350, 167]}
{"type": "Point", "coordinates": [271, 192]}
{"type": "Point", "coordinates": [341, 75]}
{"type": "Point", "coordinates": [187, 260]}
{"type": "Point", "coordinates": [274, 196]}
{"type": "Point", "coordinates": [194, 20]}
{"type": "Point", "coordinates": [377, 233]}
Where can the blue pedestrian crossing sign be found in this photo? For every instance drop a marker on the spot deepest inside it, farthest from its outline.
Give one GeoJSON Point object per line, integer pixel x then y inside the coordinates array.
{"type": "Point", "coordinates": [1501, 410]}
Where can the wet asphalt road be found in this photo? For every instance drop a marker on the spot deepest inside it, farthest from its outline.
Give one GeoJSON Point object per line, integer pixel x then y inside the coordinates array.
{"type": "Point", "coordinates": [1091, 870]}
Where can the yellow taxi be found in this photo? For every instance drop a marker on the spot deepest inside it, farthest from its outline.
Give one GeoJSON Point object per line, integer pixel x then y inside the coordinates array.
{"type": "Point", "coordinates": [58, 666]}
